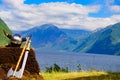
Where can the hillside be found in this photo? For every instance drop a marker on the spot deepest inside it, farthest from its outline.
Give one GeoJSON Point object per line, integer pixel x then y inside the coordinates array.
{"type": "Point", "coordinates": [104, 41]}
{"type": "Point", "coordinates": [3, 39]}
{"type": "Point", "coordinates": [50, 37]}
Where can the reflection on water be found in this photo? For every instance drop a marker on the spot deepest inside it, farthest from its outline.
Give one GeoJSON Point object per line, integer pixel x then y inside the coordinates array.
{"type": "Point", "coordinates": [72, 60]}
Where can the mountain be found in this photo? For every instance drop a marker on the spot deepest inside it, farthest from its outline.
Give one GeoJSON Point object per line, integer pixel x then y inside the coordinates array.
{"type": "Point", "coordinates": [76, 33]}
{"type": "Point", "coordinates": [3, 39]}
{"type": "Point", "coordinates": [50, 37]}
{"type": "Point", "coordinates": [103, 41]}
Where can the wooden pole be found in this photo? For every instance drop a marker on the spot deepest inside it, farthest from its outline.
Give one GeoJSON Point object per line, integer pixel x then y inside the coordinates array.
{"type": "Point", "coordinates": [20, 58]}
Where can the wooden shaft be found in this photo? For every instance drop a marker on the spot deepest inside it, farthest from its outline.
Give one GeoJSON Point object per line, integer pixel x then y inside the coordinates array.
{"type": "Point", "coordinates": [20, 58]}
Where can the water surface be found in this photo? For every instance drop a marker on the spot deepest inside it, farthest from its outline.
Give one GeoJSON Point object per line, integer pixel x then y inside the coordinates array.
{"type": "Point", "coordinates": [72, 60]}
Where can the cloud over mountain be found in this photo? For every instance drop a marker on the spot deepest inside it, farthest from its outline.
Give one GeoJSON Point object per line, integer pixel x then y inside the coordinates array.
{"type": "Point", "coordinates": [21, 16]}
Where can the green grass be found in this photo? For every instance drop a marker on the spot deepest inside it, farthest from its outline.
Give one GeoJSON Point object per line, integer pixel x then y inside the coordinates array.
{"type": "Point", "coordinates": [90, 75]}
{"type": "Point", "coordinates": [3, 26]}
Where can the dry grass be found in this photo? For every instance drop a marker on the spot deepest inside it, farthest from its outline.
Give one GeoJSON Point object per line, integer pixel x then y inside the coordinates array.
{"type": "Point", "coordinates": [72, 75]}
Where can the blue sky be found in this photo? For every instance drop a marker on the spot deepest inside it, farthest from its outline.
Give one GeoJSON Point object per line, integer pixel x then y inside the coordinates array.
{"type": "Point", "coordinates": [77, 14]}
{"type": "Point", "coordinates": [84, 2]}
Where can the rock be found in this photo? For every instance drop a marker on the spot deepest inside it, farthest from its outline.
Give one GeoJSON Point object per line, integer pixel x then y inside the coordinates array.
{"type": "Point", "coordinates": [9, 57]}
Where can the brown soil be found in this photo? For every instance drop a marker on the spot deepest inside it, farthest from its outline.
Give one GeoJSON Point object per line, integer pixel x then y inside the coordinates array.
{"type": "Point", "coordinates": [9, 57]}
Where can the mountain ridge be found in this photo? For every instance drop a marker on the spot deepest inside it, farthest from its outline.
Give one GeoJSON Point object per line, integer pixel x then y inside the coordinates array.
{"type": "Point", "coordinates": [104, 41]}
{"type": "Point", "coordinates": [50, 37]}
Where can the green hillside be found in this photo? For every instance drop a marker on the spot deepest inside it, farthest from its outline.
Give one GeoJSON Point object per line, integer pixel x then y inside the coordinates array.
{"type": "Point", "coordinates": [3, 39]}
{"type": "Point", "coordinates": [104, 41]}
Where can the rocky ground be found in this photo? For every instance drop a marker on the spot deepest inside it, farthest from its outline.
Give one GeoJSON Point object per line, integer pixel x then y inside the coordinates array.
{"type": "Point", "coordinates": [9, 57]}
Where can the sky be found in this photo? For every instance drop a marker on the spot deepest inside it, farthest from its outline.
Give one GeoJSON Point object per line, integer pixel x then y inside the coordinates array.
{"type": "Point", "coordinates": [71, 14]}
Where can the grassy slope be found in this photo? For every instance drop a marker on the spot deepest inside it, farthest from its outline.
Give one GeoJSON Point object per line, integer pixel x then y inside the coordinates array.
{"type": "Point", "coordinates": [91, 75]}
{"type": "Point", "coordinates": [3, 39]}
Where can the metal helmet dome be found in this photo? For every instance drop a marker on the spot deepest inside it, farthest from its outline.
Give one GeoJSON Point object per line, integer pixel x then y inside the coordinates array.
{"type": "Point", "coordinates": [17, 37]}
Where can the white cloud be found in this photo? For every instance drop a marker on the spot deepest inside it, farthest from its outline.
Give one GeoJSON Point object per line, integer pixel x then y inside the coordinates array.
{"type": "Point", "coordinates": [115, 8]}
{"type": "Point", "coordinates": [112, 6]}
{"type": "Point", "coordinates": [20, 16]}
{"type": "Point", "coordinates": [13, 3]}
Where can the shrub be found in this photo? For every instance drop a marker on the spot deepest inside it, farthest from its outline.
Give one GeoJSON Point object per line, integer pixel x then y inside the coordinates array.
{"type": "Point", "coordinates": [79, 68]}
{"type": "Point", "coordinates": [56, 68]}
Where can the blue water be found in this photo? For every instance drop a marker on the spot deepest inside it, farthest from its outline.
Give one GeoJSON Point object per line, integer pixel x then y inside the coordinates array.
{"type": "Point", "coordinates": [72, 60]}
